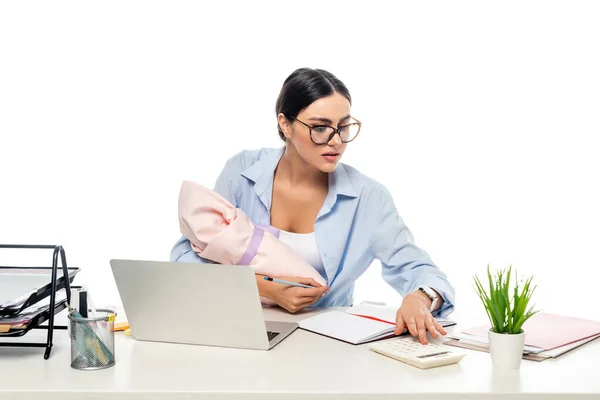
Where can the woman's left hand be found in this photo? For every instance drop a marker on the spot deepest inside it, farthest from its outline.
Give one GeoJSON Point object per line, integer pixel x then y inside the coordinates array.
{"type": "Point", "coordinates": [414, 315]}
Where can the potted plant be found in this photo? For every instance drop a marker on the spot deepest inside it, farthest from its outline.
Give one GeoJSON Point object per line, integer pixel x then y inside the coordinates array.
{"type": "Point", "coordinates": [507, 311]}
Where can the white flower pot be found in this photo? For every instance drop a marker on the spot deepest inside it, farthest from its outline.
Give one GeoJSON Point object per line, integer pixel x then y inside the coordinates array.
{"type": "Point", "coordinates": [506, 349]}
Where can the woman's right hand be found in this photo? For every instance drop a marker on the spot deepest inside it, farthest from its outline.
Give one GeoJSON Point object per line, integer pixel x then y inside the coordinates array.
{"type": "Point", "coordinates": [292, 298]}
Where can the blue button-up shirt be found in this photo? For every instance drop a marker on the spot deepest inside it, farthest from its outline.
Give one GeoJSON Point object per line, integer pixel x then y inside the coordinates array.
{"type": "Point", "coordinates": [357, 223]}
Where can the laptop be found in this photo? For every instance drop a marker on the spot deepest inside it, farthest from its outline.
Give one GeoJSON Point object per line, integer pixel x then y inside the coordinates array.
{"type": "Point", "coordinates": [191, 303]}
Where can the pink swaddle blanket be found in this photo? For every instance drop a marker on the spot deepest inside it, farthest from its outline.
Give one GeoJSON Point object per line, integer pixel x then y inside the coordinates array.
{"type": "Point", "coordinates": [222, 233]}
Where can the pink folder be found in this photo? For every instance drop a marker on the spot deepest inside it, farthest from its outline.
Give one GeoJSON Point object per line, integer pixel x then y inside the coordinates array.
{"type": "Point", "coordinates": [549, 331]}
{"type": "Point", "coordinates": [222, 233]}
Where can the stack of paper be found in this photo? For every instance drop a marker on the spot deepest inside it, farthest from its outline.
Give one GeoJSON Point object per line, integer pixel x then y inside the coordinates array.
{"type": "Point", "coordinates": [20, 321]}
{"type": "Point", "coordinates": [358, 324]}
{"type": "Point", "coordinates": [546, 336]}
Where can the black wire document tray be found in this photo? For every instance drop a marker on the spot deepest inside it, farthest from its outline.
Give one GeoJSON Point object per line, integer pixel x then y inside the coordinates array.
{"type": "Point", "coordinates": [16, 306]}
{"type": "Point", "coordinates": [28, 310]}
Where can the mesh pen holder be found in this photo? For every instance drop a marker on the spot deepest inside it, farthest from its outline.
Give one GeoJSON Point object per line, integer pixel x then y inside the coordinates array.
{"type": "Point", "coordinates": [92, 340]}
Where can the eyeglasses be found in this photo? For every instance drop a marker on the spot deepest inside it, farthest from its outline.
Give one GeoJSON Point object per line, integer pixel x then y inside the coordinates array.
{"type": "Point", "coordinates": [322, 134]}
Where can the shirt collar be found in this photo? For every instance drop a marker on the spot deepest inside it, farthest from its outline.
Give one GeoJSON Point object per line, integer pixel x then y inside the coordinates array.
{"type": "Point", "coordinates": [263, 171]}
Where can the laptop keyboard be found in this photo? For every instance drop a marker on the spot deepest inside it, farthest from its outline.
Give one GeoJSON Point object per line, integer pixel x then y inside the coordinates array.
{"type": "Point", "coordinates": [272, 335]}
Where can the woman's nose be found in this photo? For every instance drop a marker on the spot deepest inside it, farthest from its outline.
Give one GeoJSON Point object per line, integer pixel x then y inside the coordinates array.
{"type": "Point", "coordinates": [335, 141]}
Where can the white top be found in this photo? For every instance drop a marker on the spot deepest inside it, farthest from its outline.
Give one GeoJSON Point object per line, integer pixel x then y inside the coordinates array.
{"type": "Point", "coordinates": [304, 244]}
{"type": "Point", "coordinates": [304, 365]}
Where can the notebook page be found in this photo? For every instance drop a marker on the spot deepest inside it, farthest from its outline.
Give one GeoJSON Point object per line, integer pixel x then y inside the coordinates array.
{"type": "Point", "coordinates": [385, 313]}
{"type": "Point", "coordinates": [346, 327]}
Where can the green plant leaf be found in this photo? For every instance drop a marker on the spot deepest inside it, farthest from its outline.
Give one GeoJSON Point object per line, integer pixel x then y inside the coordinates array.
{"type": "Point", "coordinates": [506, 313]}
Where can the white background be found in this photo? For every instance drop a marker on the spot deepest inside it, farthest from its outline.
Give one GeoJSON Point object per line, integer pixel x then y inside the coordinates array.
{"type": "Point", "coordinates": [481, 118]}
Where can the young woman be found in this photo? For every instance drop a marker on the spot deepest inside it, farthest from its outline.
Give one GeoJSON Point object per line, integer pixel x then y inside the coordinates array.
{"type": "Point", "coordinates": [336, 218]}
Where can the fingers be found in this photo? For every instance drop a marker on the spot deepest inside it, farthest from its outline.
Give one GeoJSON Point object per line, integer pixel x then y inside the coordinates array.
{"type": "Point", "coordinates": [292, 308]}
{"type": "Point", "coordinates": [399, 324]}
{"type": "Point", "coordinates": [421, 330]}
{"type": "Point", "coordinates": [309, 281]}
{"type": "Point", "coordinates": [429, 323]}
{"type": "Point", "coordinates": [300, 303]}
{"type": "Point", "coordinates": [316, 292]}
{"type": "Point", "coordinates": [308, 302]}
{"type": "Point", "coordinates": [411, 325]}
{"type": "Point", "coordinates": [304, 297]}
{"type": "Point", "coordinates": [295, 305]}
{"type": "Point", "coordinates": [439, 327]}
{"type": "Point", "coordinates": [324, 291]}
{"type": "Point", "coordinates": [418, 319]}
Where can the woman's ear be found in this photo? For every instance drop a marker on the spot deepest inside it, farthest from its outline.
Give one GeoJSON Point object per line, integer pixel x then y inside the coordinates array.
{"type": "Point", "coordinates": [284, 125]}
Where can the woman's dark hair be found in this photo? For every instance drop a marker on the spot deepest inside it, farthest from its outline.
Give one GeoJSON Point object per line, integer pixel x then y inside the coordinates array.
{"type": "Point", "coordinates": [302, 88]}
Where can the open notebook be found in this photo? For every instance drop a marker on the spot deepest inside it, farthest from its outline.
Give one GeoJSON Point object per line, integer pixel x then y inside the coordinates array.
{"type": "Point", "coordinates": [358, 324]}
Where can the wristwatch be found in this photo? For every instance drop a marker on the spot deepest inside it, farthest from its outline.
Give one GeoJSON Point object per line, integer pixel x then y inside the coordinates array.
{"type": "Point", "coordinates": [432, 296]}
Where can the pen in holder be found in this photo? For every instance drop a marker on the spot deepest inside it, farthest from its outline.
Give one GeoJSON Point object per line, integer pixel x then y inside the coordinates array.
{"type": "Point", "coordinates": [92, 340]}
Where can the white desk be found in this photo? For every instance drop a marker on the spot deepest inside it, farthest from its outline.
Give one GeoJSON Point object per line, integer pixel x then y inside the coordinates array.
{"type": "Point", "coordinates": [304, 365]}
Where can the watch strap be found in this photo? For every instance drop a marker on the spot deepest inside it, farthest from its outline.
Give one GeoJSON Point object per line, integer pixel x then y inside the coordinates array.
{"type": "Point", "coordinates": [432, 296]}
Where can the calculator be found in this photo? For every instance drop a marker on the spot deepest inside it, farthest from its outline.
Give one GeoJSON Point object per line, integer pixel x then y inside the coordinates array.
{"type": "Point", "coordinates": [410, 351]}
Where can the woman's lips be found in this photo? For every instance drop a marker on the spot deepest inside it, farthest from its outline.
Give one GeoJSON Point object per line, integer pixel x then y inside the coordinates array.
{"type": "Point", "coordinates": [331, 156]}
